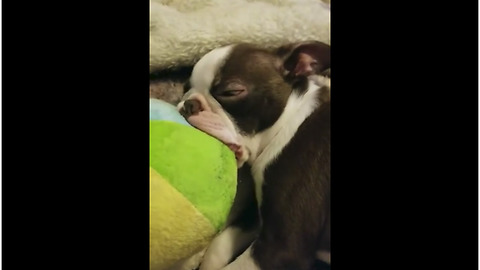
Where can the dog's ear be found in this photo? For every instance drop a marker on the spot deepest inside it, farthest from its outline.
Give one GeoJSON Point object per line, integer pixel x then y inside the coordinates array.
{"type": "Point", "coordinates": [304, 58]}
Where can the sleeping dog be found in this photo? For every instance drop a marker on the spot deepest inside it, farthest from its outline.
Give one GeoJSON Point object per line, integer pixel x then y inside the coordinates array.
{"type": "Point", "coordinates": [272, 109]}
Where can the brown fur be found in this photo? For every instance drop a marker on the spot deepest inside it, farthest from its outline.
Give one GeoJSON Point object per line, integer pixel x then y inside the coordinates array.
{"type": "Point", "coordinates": [298, 198]}
{"type": "Point", "coordinates": [295, 208]}
{"type": "Point", "coordinates": [168, 85]}
{"type": "Point", "coordinates": [253, 114]}
{"type": "Point", "coordinates": [166, 90]}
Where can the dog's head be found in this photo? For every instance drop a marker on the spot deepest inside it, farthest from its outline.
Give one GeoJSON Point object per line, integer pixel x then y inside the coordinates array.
{"type": "Point", "coordinates": [240, 90]}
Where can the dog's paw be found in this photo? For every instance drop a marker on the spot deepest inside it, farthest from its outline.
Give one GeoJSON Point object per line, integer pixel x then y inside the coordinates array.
{"type": "Point", "coordinates": [243, 262]}
{"type": "Point", "coordinates": [190, 263]}
{"type": "Point", "coordinates": [214, 259]}
{"type": "Point", "coordinates": [212, 264]}
{"type": "Point", "coordinates": [241, 156]}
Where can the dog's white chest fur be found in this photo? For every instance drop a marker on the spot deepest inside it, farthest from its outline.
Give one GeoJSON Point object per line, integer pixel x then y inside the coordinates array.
{"type": "Point", "coordinates": [265, 146]}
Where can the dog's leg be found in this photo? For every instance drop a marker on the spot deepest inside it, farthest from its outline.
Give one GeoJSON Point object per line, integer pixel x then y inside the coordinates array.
{"type": "Point", "coordinates": [246, 261]}
{"type": "Point", "coordinates": [243, 262]}
{"type": "Point", "coordinates": [242, 226]}
{"type": "Point", "coordinates": [225, 247]}
{"type": "Point", "coordinates": [190, 263]}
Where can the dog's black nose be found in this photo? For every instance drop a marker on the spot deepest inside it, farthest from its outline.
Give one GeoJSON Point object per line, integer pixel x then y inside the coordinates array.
{"type": "Point", "coordinates": [190, 107]}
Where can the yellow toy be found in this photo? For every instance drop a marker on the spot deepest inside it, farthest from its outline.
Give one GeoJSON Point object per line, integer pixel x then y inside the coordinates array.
{"type": "Point", "coordinates": [193, 179]}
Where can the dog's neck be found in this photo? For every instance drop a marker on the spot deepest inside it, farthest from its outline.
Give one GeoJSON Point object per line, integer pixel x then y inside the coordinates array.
{"type": "Point", "coordinates": [266, 146]}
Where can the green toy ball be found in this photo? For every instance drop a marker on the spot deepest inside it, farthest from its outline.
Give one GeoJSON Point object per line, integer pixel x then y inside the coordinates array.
{"type": "Point", "coordinates": [193, 179]}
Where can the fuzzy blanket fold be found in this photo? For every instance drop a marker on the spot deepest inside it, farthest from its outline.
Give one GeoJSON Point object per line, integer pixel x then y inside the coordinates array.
{"type": "Point", "coordinates": [182, 31]}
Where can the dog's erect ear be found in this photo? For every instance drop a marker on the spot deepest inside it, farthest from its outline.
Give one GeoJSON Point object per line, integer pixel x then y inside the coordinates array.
{"type": "Point", "coordinates": [304, 58]}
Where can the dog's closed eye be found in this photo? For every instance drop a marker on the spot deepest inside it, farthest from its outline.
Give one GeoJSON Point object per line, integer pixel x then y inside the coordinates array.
{"type": "Point", "coordinates": [232, 91]}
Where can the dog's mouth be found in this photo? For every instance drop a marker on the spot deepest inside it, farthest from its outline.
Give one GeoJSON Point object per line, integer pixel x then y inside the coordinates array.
{"type": "Point", "coordinates": [213, 125]}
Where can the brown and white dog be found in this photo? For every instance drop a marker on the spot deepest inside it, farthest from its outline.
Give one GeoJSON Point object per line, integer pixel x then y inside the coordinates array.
{"type": "Point", "coordinates": [272, 108]}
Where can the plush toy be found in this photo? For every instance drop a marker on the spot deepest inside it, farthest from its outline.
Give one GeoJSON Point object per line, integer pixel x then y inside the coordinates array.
{"type": "Point", "coordinates": [192, 186]}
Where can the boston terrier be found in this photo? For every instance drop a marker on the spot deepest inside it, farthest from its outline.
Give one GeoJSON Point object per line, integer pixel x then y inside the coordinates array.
{"type": "Point", "coordinates": [272, 109]}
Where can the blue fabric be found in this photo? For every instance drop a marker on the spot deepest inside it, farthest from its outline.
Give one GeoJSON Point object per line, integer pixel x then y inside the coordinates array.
{"type": "Point", "coordinates": [161, 110]}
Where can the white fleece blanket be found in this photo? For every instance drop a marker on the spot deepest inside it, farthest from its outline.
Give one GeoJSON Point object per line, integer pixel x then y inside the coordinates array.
{"type": "Point", "coordinates": [182, 31]}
